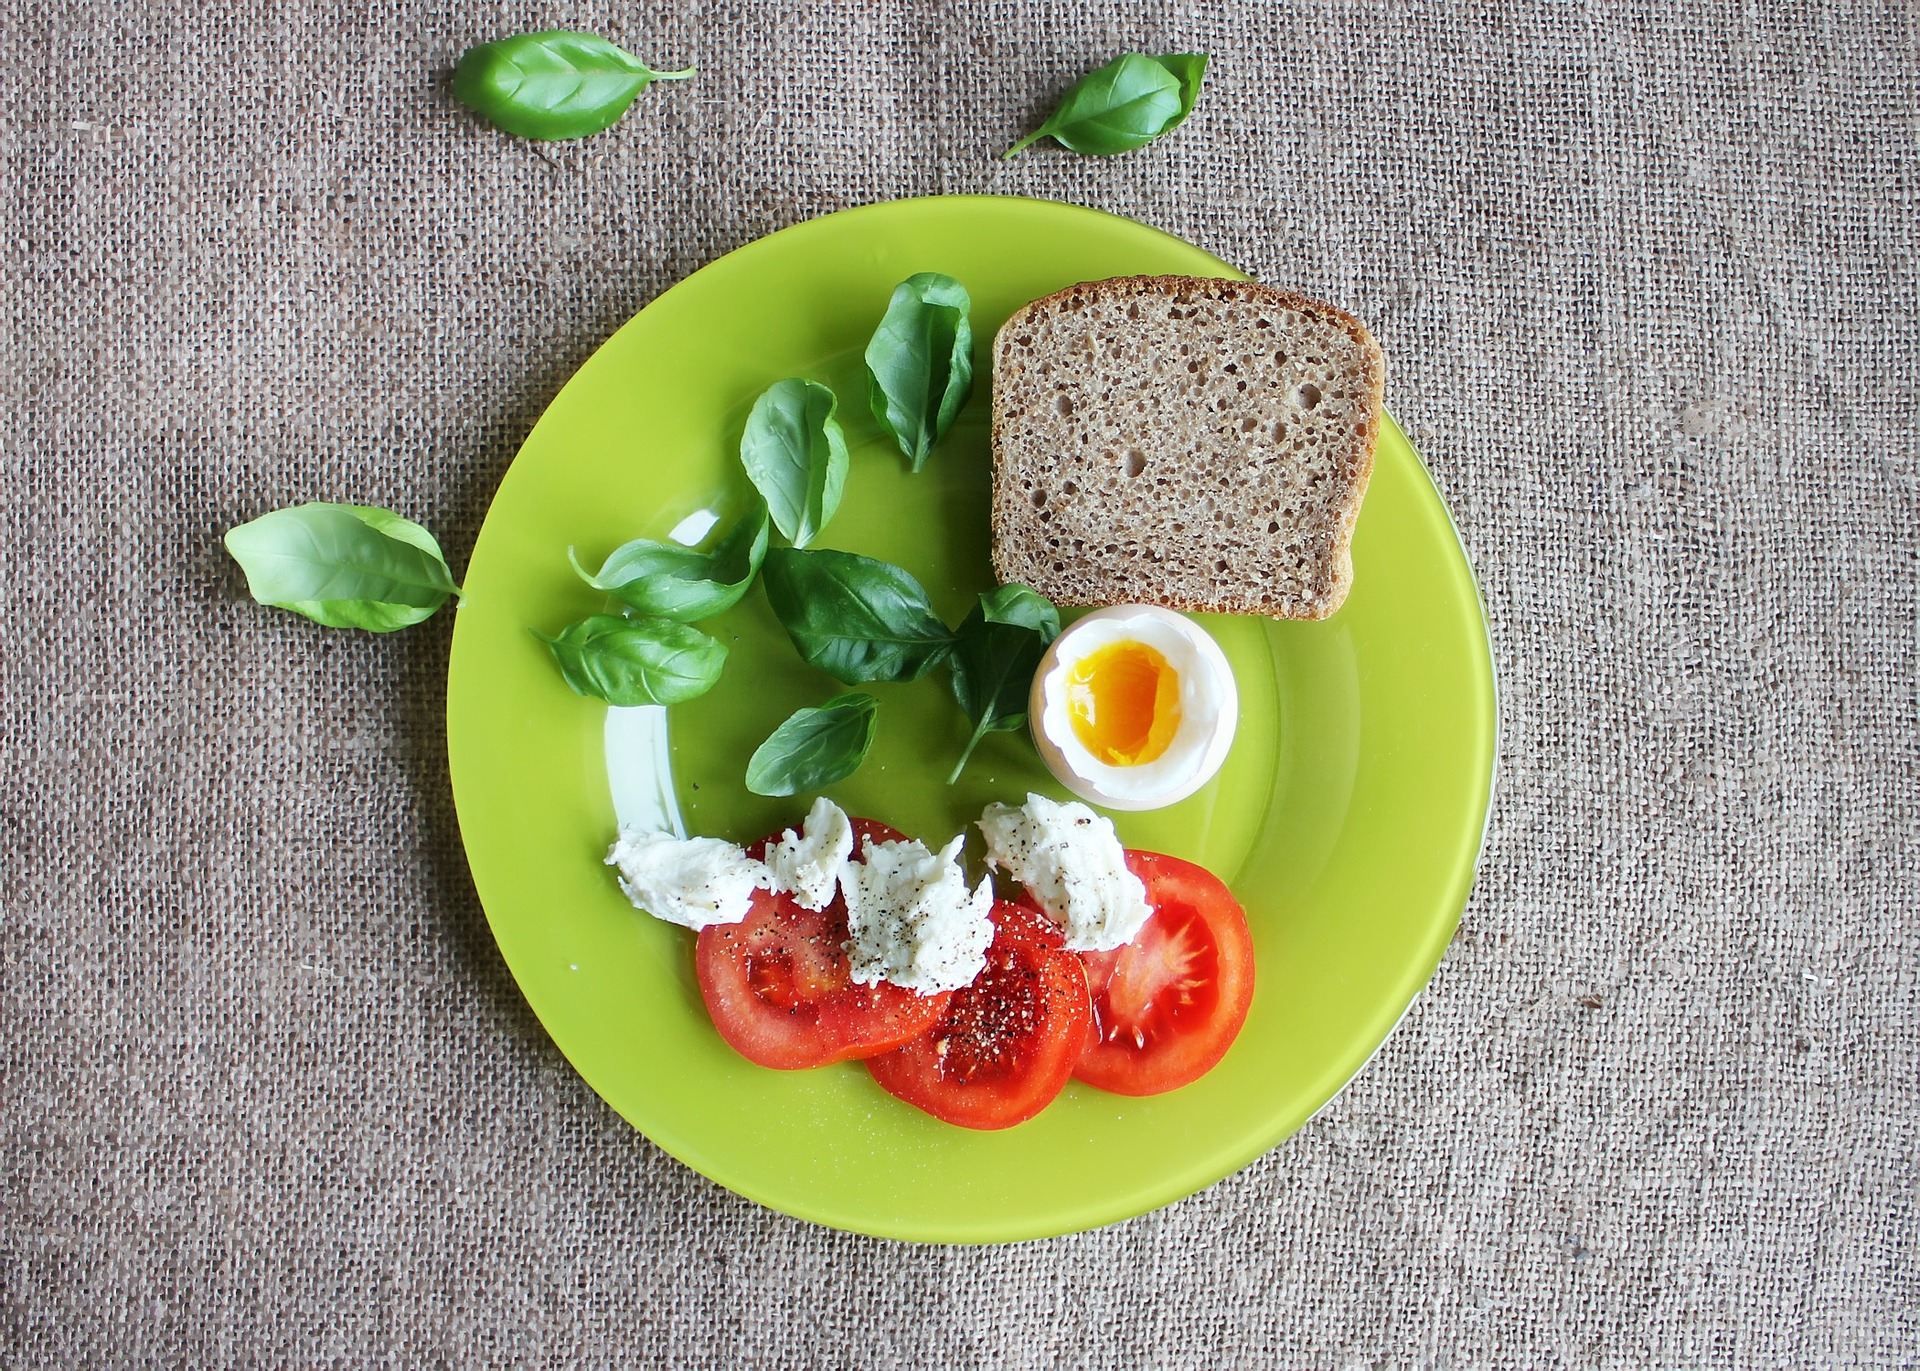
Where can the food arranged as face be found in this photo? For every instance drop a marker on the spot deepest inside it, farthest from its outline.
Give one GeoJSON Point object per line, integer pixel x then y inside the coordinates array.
{"type": "Point", "coordinates": [973, 1000]}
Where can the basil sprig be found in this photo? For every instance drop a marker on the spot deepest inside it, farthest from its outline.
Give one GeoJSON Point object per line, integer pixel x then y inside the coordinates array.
{"type": "Point", "coordinates": [675, 582]}
{"type": "Point", "coordinates": [920, 362]}
{"type": "Point", "coordinates": [853, 617]}
{"type": "Point", "coordinates": [556, 84]}
{"type": "Point", "coordinates": [636, 661]}
{"type": "Point", "coordinates": [996, 650]}
{"type": "Point", "coordinates": [346, 566]}
{"type": "Point", "coordinates": [1124, 105]}
{"type": "Point", "coordinates": [796, 456]}
{"type": "Point", "coordinates": [814, 747]}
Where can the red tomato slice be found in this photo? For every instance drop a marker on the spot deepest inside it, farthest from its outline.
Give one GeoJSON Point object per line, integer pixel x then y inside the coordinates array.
{"type": "Point", "coordinates": [1008, 1042]}
{"type": "Point", "coordinates": [1169, 1004]}
{"type": "Point", "coordinates": [780, 989]}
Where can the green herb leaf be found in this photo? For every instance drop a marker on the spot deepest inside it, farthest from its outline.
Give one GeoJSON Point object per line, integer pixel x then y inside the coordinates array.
{"type": "Point", "coordinates": [346, 566]}
{"type": "Point", "coordinates": [676, 582]}
{"type": "Point", "coordinates": [815, 747]}
{"type": "Point", "coordinates": [854, 618]}
{"type": "Point", "coordinates": [796, 456]}
{"type": "Point", "coordinates": [636, 661]}
{"type": "Point", "coordinates": [920, 362]}
{"type": "Point", "coordinates": [1189, 69]}
{"type": "Point", "coordinates": [555, 84]}
{"type": "Point", "coordinates": [995, 653]}
{"type": "Point", "coordinates": [1124, 105]}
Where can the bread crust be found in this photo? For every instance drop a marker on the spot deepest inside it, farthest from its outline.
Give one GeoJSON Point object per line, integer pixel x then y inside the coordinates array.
{"type": "Point", "coordinates": [1201, 501]}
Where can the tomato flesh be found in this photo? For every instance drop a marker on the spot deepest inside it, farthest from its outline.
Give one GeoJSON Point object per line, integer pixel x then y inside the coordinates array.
{"type": "Point", "coordinates": [1007, 1044]}
{"type": "Point", "coordinates": [781, 992]}
{"type": "Point", "coordinates": [1168, 1005]}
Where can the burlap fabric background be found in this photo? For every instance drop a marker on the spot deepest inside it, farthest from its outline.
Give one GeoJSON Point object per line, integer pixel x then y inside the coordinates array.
{"type": "Point", "coordinates": [1647, 280]}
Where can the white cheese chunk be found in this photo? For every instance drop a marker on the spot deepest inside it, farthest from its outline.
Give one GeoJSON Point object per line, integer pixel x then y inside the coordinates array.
{"type": "Point", "coordinates": [912, 919]}
{"type": "Point", "coordinates": [692, 882]}
{"type": "Point", "coordinates": [1070, 860]}
{"type": "Point", "coordinates": [806, 862]}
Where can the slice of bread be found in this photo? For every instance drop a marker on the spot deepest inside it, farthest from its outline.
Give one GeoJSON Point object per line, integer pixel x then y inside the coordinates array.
{"type": "Point", "coordinates": [1182, 441]}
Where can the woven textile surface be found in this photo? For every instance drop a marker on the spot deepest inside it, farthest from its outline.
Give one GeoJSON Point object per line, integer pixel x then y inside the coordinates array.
{"type": "Point", "coordinates": [1646, 278]}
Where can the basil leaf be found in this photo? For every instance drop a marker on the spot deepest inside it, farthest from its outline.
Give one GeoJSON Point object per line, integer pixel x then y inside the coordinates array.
{"type": "Point", "coordinates": [1189, 69]}
{"type": "Point", "coordinates": [636, 661]}
{"type": "Point", "coordinates": [1019, 606]}
{"type": "Point", "coordinates": [796, 456]}
{"type": "Point", "coordinates": [995, 653]}
{"type": "Point", "coordinates": [920, 362]}
{"type": "Point", "coordinates": [555, 84]}
{"type": "Point", "coordinates": [346, 566]}
{"type": "Point", "coordinates": [675, 582]}
{"type": "Point", "coordinates": [814, 747]}
{"type": "Point", "coordinates": [1124, 105]}
{"type": "Point", "coordinates": [854, 618]}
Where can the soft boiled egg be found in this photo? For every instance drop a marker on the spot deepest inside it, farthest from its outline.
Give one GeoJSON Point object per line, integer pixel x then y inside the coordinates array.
{"type": "Point", "coordinates": [1134, 707]}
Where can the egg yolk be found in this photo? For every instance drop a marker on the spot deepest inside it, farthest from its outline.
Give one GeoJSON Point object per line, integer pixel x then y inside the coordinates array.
{"type": "Point", "coordinates": [1124, 701]}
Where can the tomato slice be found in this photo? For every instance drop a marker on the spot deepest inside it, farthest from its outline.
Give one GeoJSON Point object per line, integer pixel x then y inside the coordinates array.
{"type": "Point", "coordinates": [781, 991]}
{"type": "Point", "coordinates": [1007, 1043]}
{"type": "Point", "coordinates": [1169, 1004]}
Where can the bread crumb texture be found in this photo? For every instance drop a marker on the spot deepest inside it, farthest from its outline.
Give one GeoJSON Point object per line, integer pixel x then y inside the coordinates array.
{"type": "Point", "coordinates": [1181, 441]}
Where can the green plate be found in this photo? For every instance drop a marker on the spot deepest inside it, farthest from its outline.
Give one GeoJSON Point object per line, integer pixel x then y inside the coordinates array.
{"type": "Point", "coordinates": [1348, 818]}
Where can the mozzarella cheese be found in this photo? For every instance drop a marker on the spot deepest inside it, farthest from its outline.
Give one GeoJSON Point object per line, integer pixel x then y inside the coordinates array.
{"type": "Point", "coordinates": [693, 882]}
{"type": "Point", "coordinates": [1072, 862]}
{"type": "Point", "coordinates": [912, 920]}
{"type": "Point", "coordinates": [807, 862]}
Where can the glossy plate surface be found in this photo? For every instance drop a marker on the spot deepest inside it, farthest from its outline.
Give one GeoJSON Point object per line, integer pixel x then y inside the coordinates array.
{"type": "Point", "coordinates": [1348, 819]}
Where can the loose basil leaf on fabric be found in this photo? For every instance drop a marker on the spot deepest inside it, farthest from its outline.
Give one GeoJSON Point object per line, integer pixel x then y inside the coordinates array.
{"type": "Point", "coordinates": [346, 566]}
{"type": "Point", "coordinates": [556, 84]}
{"type": "Point", "coordinates": [636, 661]}
{"type": "Point", "coordinates": [995, 652]}
{"type": "Point", "coordinates": [675, 582]}
{"type": "Point", "coordinates": [796, 456]}
{"type": "Point", "coordinates": [1124, 105]}
{"type": "Point", "coordinates": [854, 618]}
{"type": "Point", "coordinates": [1189, 69]}
{"type": "Point", "coordinates": [920, 362]}
{"type": "Point", "coordinates": [814, 747]}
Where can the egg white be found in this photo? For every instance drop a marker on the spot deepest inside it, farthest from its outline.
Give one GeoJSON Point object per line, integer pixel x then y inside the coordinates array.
{"type": "Point", "coordinates": [1209, 709]}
